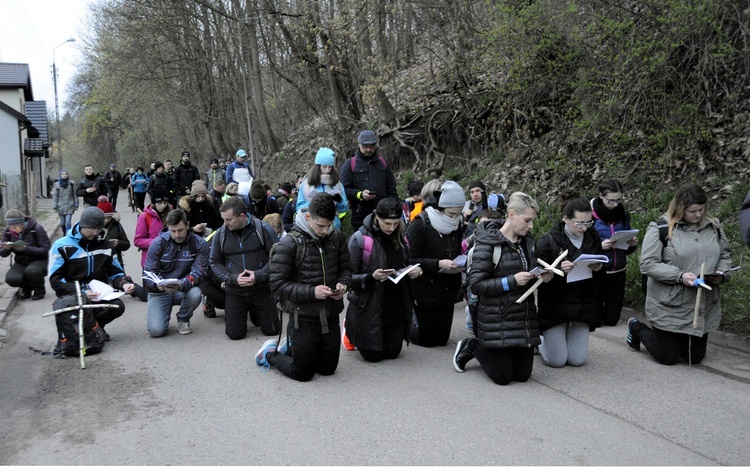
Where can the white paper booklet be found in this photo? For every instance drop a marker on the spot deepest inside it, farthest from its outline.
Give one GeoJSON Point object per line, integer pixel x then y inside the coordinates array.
{"type": "Point", "coordinates": [621, 238]}
{"type": "Point", "coordinates": [106, 292]}
{"type": "Point", "coordinates": [581, 270]}
{"type": "Point", "coordinates": [154, 278]}
{"type": "Point", "coordinates": [397, 275]}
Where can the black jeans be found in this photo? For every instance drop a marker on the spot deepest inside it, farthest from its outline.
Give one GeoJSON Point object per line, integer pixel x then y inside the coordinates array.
{"type": "Point", "coordinates": [215, 296]}
{"type": "Point", "coordinates": [668, 347]}
{"type": "Point", "coordinates": [609, 294]}
{"type": "Point", "coordinates": [393, 341]}
{"type": "Point", "coordinates": [312, 350]}
{"type": "Point", "coordinates": [505, 364]}
{"type": "Point", "coordinates": [261, 309]}
{"type": "Point", "coordinates": [27, 276]}
{"type": "Point", "coordinates": [433, 327]}
{"type": "Point", "coordinates": [112, 194]}
{"type": "Point", "coordinates": [139, 200]}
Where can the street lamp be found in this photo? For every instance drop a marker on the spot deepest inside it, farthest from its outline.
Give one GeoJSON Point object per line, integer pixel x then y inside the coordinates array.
{"type": "Point", "coordinates": [57, 109]}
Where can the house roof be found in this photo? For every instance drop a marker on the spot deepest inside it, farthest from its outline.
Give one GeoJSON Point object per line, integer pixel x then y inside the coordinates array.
{"type": "Point", "coordinates": [16, 75]}
{"type": "Point", "coordinates": [36, 112]}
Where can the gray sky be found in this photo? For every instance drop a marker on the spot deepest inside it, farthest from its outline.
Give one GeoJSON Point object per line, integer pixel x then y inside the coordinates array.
{"type": "Point", "coordinates": [30, 29]}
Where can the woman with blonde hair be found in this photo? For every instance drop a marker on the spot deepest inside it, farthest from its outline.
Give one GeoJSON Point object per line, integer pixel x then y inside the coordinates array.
{"type": "Point", "coordinates": [672, 264]}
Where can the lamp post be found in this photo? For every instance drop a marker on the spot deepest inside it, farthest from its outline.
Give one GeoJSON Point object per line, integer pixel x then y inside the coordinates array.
{"type": "Point", "coordinates": [57, 109]}
{"type": "Point", "coordinates": [243, 64]}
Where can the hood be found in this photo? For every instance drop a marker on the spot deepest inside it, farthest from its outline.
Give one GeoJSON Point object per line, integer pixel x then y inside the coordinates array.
{"type": "Point", "coordinates": [301, 222]}
{"type": "Point", "coordinates": [488, 232]}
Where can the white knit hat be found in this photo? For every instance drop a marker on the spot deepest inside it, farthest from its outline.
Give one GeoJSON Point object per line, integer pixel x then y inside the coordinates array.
{"type": "Point", "coordinates": [452, 195]}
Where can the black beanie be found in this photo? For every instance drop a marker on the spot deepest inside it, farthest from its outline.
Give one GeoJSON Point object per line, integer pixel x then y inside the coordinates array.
{"type": "Point", "coordinates": [477, 183]}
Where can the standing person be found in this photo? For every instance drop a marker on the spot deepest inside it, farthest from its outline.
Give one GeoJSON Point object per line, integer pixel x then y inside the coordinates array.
{"type": "Point", "coordinates": [173, 190]}
{"type": "Point", "coordinates": [214, 174]}
{"type": "Point", "coordinates": [506, 332]}
{"type": "Point", "coordinates": [568, 311]}
{"type": "Point", "coordinates": [113, 180]}
{"type": "Point", "coordinates": [91, 186]}
{"type": "Point", "coordinates": [310, 272]}
{"type": "Point", "coordinates": [260, 203]}
{"type": "Point", "coordinates": [672, 266]}
{"type": "Point", "coordinates": [202, 216]}
{"type": "Point", "coordinates": [274, 220]}
{"type": "Point", "coordinates": [185, 174]}
{"type": "Point", "coordinates": [151, 222]}
{"type": "Point", "coordinates": [367, 178]}
{"type": "Point", "coordinates": [239, 258]}
{"type": "Point", "coordinates": [64, 200]}
{"type": "Point", "coordinates": [29, 244]}
{"type": "Point", "coordinates": [609, 217]}
{"type": "Point", "coordinates": [284, 195]}
{"type": "Point", "coordinates": [379, 312]}
{"type": "Point", "coordinates": [435, 240]}
{"type": "Point", "coordinates": [175, 254]}
{"type": "Point", "coordinates": [151, 170]}
{"type": "Point", "coordinates": [323, 177]}
{"type": "Point", "coordinates": [126, 177]}
{"type": "Point", "coordinates": [139, 184]}
{"type": "Point", "coordinates": [160, 178]}
{"type": "Point", "coordinates": [81, 256]}
{"type": "Point", "coordinates": [238, 171]}
{"type": "Point", "coordinates": [413, 205]}
{"type": "Point", "coordinates": [476, 203]}
{"type": "Point", "coordinates": [287, 214]}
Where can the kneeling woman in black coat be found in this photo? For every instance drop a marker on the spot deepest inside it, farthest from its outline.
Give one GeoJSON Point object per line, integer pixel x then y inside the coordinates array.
{"type": "Point", "coordinates": [506, 331]}
{"type": "Point", "coordinates": [379, 312]}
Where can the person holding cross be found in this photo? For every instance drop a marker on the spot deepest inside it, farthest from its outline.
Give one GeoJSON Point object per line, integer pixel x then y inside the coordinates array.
{"type": "Point", "coordinates": [679, 326]}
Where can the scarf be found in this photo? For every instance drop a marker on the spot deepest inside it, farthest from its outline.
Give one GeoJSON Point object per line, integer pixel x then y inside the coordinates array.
{"type": "Point", "coordinates": [441, 222]}
{"type": "Point", "coordinates": [325, 179]}
{"type": "Point", "coordinates": [607, 215]}
{"type": "Point", "coordinates": [63, 183]}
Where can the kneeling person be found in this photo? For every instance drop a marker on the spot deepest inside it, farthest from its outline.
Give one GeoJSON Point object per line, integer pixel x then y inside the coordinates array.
{"type": "Point", "coordinates": [239, 258]}
{"type": "Point", "coordinates": [310, 271]}
{"type": "Point", "coordinates": [180, 255]}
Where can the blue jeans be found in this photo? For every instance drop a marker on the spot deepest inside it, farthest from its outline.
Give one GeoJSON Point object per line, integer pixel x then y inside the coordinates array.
{"type": "Point", "coordinates": [565, 343]}
{"type": "Point", "coordinates": [65, 220]}
{"type": "Point", "coordinates": [159, 309]}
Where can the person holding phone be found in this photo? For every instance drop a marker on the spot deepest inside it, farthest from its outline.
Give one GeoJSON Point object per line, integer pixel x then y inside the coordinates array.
{"type": "Point", "coordinates": [379, 311]}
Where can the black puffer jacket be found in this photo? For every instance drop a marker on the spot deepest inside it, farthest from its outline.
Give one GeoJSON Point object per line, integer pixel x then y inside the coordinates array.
{"type": "Point", "coordinates": [428, 247]}
{"type": "Point", "coordinates": [501, 322]}
{"type": "Point", "coordinates": [324, 261]}
{"type": "Point", "coordinates": [364, 316]}
{"type": "Point", "coordinates": [560, 301]}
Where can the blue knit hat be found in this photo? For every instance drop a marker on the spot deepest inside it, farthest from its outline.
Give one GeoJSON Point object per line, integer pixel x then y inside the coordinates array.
{"type": "Point", "coordinates": [325, 157]}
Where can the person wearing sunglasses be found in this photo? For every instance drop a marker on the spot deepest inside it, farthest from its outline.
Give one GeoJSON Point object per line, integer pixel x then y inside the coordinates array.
{"type": "Point", "coordinates": [568, 311]}
{"type": "Point", "coordinates": [609, 217]}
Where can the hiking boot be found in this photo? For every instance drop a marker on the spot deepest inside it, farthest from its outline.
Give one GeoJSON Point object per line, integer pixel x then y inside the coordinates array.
{"type": "Point", "coordinates": [184, 328]}
{"type": "Point", "coordinates": [462, 355]}
{"type": "Point", "coordinates": [633, 336]}
{"type": "Point", "coordinates": [39, 293]}
{"type": "Point", "coordinates": [285, 346]}
{"type": "Point", "coordinates": [24, 293]}
{"type": "Point", "coordinates": [269, 346]}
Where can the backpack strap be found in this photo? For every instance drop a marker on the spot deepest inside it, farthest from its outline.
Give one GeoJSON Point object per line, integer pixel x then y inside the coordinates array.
{"type": "Point", "coordinates": [352, 162]}
{"type": "Point", "coordinates": [663, 226]}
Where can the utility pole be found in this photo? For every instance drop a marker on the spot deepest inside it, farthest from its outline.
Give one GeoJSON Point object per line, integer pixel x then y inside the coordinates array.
{"type": "Point", "coordinates": [57, 109]}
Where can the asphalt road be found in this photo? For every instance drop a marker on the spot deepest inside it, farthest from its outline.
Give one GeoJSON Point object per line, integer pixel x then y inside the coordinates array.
{"type": "Point", "coordinates": [200, 399]}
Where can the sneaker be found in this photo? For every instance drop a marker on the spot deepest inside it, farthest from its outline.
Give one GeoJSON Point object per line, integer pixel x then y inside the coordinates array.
{"type": "Point", "coordinates": [39, 293]}
{"type": "Point", "coordinates": [285, 346]}
{"type": "Point", "coordinates": [633, 337]}
{"type": "Point", "coordinates": [184, 328]}
{"type": "Point", "coordinates": [25, 293]}
{"type": "Point", "coordinates": [106, 335]}
{"type": "Point", "coordinates": [348, 345]}
{"type": "Point", "coordinates": [269, 346]}
{"type": "Point", "coordinates": [462, 355]}
{"type": "Point", "coordinates": [209, 310]}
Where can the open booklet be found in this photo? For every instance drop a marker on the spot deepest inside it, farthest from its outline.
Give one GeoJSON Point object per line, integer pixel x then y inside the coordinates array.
{"type": "Point", "coordinates": [460, 260]}
{"type": "Point", "coordinates": [154, 278]}
{"type": "Point", "coordinates": [106, 292]}
{"type": "Point", "coordinates": [17, 243]}
{"type": "Point", "coordinates": [621, 238]}
{"type": "Point", "coordinates": [581, 270]}
{"type": "Point", "coordinates": [397, 275]}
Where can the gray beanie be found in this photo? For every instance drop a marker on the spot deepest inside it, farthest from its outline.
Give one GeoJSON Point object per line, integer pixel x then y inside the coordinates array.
{"type": "Point", "coordinates": [452, 195]}
{"type": "Point", "coordinates": [92, 217]}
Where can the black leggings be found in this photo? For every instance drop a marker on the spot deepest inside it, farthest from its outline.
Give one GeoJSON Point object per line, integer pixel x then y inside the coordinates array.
{"type": "Point", "coordinates": [433, 325]}
{"type": "Point", "coordinates": [393, 340]}
{"type": "Point", "coordinates": [505, 364]}
{"type": "Point", "coordinates": [668, 347]}
{"type": "Point", "coordinates": [609, 294]}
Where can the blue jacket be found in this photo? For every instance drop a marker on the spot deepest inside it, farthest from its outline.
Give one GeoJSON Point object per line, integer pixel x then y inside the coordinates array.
{"type": "Point", "coordinates": [187, 262]}
{"type": "Point", "coordinates": [72, 259]}
{"type": "Point", "coordinates": [304, 196]}
{"type": "Point", "coordinates": [139, 183]}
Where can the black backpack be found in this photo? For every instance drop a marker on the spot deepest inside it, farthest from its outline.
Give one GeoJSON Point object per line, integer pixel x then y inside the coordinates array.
{"type": "Point", "coordinates": [661, 223]}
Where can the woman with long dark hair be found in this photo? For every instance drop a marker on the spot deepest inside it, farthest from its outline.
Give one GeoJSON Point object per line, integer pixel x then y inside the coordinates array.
{"type": "Point", "coordinates": [323, 177]}
{"type": "Point", "coordinates": [673, 265]}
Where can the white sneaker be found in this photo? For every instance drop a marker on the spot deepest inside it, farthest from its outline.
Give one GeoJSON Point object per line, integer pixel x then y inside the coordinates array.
{"type": "Point", "coordinates": [184, 328]}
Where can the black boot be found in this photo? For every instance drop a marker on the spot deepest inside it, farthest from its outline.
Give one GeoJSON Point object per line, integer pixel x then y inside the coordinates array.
{"type": "Point", "coordinates": [24, 293]}
{"type": "Point", "coordinates": [39, 293]}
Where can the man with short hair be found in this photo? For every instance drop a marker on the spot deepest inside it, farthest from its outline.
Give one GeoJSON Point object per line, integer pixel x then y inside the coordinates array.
{"type": "Point", "coordinates": [367, 178]}
{"type": "Point", "coordinates": [81, 256]}
{"type": "Point", "coordinates": [260, 203]}
{"type": "Point", "coordinates": [159, 179]}
{"type": "Point", "coordinates": [214, 174]}
{"type": "Point", "coordinates": [310, 271]}
{"type": "Point", "coordinates": [217, 193]}
{"type": "Point", "coordinates": [91, 186]}
{"type": "Point", "coordinates": [239, 258]}
{"type": "Point", "coordinates": [113, 181]}
{"type": "Point", "coordinates": [238, 171]}
{"type": "Point", "coordinates": [185, 175]}
{"type": "Point", "coordinates": [179, 255]}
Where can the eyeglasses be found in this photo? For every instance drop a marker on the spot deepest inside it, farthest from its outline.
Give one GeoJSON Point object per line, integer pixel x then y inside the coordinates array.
{"type": "Point", "coordinates": [612, 201]}
{"type": "Point", "coordinates": [582, 224]}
